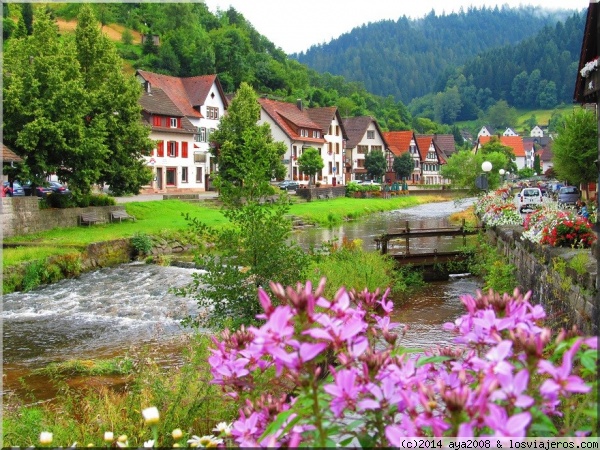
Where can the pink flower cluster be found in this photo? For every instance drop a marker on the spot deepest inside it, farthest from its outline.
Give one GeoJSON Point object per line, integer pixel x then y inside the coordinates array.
{"type": "Point", "coordinates": [353, 382]}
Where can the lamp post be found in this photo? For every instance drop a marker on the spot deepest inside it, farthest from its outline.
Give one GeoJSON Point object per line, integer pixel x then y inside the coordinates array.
{"type": "Point", "coordinates": [482, 181]}
{"type": "Point", "coordinates": [502, 172]}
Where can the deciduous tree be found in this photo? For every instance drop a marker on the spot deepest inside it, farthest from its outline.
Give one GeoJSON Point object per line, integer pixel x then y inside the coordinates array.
{"type": "Point", "coordinates": [403, 165]}
{"type": "Point", "coordinates": [310, 162]}
{"type": "Point", "coordinates": [375, 164]}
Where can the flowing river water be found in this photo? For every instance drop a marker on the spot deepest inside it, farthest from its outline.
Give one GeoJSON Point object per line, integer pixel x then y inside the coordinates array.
{"type": "Point", "coordinates": [109, 311]}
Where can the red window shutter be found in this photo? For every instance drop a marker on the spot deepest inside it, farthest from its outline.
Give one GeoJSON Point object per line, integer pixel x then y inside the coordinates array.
{"type": "Point", "coordinates": [161, 148]}
{"type": "Point", "coordinates": [176, 149]}
{"type": "Point", "coordinates": [156, 121]}
{"type": "Point", "coordinates": [184, 149]}
{"type": "Point", "coordinates": [179, 122]}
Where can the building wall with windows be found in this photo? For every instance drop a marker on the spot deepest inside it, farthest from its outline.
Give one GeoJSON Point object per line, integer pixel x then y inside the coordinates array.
{"type": "Point", "coordinates": [372, 140]}
{"type": "Point", "coordinates": [172, 162]}
{"type": "Point", "coordinates": [333, 156]}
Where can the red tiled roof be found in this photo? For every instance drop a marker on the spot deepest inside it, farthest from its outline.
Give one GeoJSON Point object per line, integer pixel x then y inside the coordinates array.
{"type": "Point", "coordinates": [187, 93]}
{"type": "Point", "coordinates": [514, 142]}
{"type": "Point", "coordinates": [9, 156]}
{"type": "Point", "coordinates": [398, 141]}
{"type": "Point", "coordinates": [290, 118]}
{"type": "Point", "coordinates": [423, 144]}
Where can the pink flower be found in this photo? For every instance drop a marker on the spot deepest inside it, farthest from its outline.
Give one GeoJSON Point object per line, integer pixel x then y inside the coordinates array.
{"type": "Point", "coordinates": [344, 391]}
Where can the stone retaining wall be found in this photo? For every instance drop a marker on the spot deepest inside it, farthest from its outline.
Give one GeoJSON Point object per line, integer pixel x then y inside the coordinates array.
{"type": "Point", "coordinates": [568, 296]}
{"type": "Point", "coordinates": [22, 215]}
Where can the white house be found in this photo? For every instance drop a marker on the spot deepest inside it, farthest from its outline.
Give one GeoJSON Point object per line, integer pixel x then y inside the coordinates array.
{"type": "Point", "coordinates": [510, 132]}
{"type": "Point", "coordinates": [300, 128]}
{"type": "Point", "coordinates": [202, 102]}
{"type": "Point", "coordinates": [364, 136]}
{"type": "Point", "coordinates": [537, 132]}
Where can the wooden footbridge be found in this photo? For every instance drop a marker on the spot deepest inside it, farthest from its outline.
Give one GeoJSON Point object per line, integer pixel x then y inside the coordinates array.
{"type": "Point", "coordinates": [436, 265]}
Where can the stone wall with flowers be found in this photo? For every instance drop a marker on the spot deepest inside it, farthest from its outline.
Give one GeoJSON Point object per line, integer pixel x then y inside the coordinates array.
{"type": "Point", "coordinates": [566, 290]}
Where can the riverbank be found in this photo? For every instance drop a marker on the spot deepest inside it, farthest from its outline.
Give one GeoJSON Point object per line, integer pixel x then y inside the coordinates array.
{"type": "Point", "coordinates": [39, 258]}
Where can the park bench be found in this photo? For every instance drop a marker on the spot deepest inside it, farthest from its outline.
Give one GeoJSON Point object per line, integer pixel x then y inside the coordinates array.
{"type": "Point", "coordinates": [89, 218]}
{"type": "Point", "coordinates": [120, 215]}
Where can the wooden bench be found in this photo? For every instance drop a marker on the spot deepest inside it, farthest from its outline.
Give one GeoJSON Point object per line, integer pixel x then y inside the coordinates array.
{"type": "Point", "coordinates": [120, 215]}
{"type": "Point", "coordinates": [89, 218]}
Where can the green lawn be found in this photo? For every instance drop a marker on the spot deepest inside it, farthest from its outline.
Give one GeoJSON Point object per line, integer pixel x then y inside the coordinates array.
{"type": "Point", "coordinates": [157, 217]}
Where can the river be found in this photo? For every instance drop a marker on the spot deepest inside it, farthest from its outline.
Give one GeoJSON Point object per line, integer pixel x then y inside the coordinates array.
{"type": "Point", "coordinates": [106, 312]}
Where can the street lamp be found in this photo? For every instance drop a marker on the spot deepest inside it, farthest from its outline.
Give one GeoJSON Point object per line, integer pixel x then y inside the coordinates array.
{"type": "Point", "coordinates": [502, 172]}
{"type": "Point", "coordinates": [482, 180]}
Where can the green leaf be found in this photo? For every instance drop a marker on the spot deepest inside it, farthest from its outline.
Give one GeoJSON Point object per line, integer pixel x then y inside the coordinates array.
{"type": "Point", "coordinates": [278, 422]}
{"type": "Point", "coordinates": [433, 359]}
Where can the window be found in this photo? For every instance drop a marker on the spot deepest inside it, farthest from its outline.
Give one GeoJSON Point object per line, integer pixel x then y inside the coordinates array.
{"type": "Point", "coordinates": [156, 121]}
{"type": "Point", "coordinates": [199, 157]}
{"type": "Point", "coordinates": [337, 148]}
{"type": "Point", "coordinates": [370, 134]}
{"type": "Point", "coordinates": [376, 148]}
{"type": "Point", "coordinates": [337, 130]}
{"type": "Point", "coordinates": [184, 149]}
{"type": "Point", "coordinates": [212, 112]}
{"type": "Point", "coordinates": [362, 149]}
{"type": "Point", "coordinates": [172, 149]}
{"type": "Point", "coordinates": [174, 122]}
{"type": "Point", "coordinates": [316, 134]}
{"type": "Point", "coordinates": [171, 176]}
{"type": "Point", "coordinates": [303, 132]}
{"type": "Point", "coordinates": [160, 148]}
{"type": "Point", "coordinates": [184, 174]}
{"type": "Point", "coordinates": [199, 178]}
{"type": "Point", "coordinates": [201, 136]}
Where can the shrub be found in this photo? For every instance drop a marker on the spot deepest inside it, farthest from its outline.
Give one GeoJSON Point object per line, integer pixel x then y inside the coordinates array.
{"type": "Point", "coordinates": [141, 243]}
{"type": "Point", "coordinates": [60, 201]}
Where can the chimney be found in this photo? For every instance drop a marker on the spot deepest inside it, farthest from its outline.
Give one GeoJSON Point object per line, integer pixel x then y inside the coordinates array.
{"type": "Point", "coordinates": [299, 104]}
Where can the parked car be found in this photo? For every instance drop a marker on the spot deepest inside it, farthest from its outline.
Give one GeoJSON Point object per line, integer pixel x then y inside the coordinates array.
{"type": "Point", "coordinates": [528, 198]}
{"type": "Point", "coordinates": [40, 191]}
{"type": "Point", "coordinates": [568, 196]}
{"type": "Point", "coordinates": [15, 191]}
{"type": "Point", "coordinates": [58, 188]}
{"type": "Point", "coordinates": [289, 185]}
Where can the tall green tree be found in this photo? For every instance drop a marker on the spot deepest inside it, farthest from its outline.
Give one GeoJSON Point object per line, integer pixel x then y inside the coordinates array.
{"type": "Point", "coordinates": [403, 165]}
{"type": "Point", "coordinates": [255, 249]}
{"type": "Point", "coordinates": [310, 162]}
{"type": "Point", "coordinates": [375, 164]}
{"type": "Point", "coordinates": [113, 99]}
{"type": "Point", "coordinates": [246, 154]}
{"type": "Point", "coordinates": [575, 149]}
{"type": "Point", "coordinates": [69, 111]}
{"type": "Point", "coordinates": [464, 166]}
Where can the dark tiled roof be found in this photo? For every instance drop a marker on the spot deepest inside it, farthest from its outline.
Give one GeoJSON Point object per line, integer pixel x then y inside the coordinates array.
{"type": "Point", "coordinates": [9, 156]}
{"type": "Point", "coordinates": [158, 103]}
{"type": "Point", "coordinates": [446, 143]}
{"type": "Point", "coordinates": [356, 128]}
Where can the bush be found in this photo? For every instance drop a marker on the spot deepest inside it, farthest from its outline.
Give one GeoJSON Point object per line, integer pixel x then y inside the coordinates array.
{"type": "Point", "coordinates": [60, 201]}
{"type": "Point", "coordinates": [141, 243]}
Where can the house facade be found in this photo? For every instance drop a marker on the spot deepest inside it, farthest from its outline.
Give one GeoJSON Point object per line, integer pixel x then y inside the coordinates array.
{"type": "Point", "coordinates": [182, 114]}
{"type": "Point", "coordinates": [364, 136]}
{"type": "Point", "coordinates": [291, 124]}
{"type": "Point", "coordinates": [537, 132]}
{"type": "Point", "coordinates": [432, 159]}
{"type": "Point", "coordinates": [402, 142]}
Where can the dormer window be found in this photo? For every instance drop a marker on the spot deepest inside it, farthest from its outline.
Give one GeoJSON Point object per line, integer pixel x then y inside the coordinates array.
{"type": "Point", "coordinates": [173, 122]}
{"type": "Point", "coordinates": [303, 132]}
{"type": "Point", "coordinates": [316, 134]}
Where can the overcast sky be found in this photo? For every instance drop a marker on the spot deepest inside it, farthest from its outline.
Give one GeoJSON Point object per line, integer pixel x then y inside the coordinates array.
{"type": "Point", "coordinates": [295, 26]}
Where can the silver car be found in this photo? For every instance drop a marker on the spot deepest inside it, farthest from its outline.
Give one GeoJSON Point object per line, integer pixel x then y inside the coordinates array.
{"type": "Point", "coordinates": [568, 196]}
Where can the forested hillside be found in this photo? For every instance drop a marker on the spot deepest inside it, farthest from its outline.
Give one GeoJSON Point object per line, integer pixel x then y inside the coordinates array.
{"type": "Point", "coordinates": [412, 58]}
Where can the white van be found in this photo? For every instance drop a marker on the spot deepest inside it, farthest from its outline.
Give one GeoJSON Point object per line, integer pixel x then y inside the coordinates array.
{"type": "Point", "coordinates": [528, 198]}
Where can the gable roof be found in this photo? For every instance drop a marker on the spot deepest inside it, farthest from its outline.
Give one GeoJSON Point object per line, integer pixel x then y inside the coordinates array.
{"type": "Point", "coordinates": [8, 156]}
{"type": "Point", "coordinates": [187, 93]}
{"type": "Point", "coordinates": [323, 117]}
{"type": "Point", "coordinates": [589, 51]}
{"type": "Point", "coordinates": [514, 142]}
{"type": "Point", "coordinates": [424, 141]}
{"type": "Point", "coordinates": [157, 102]}
{"type": "Point", "coordinates": [446, 143]}
{"type": "Point", "coordinates": [398, 141]}
{"type": "Point", "coordinates": [289, 118]}
{"type": "Point", "coordinates": [356, 128]}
